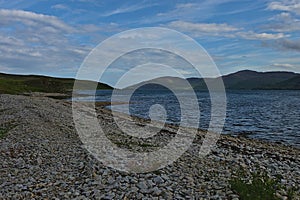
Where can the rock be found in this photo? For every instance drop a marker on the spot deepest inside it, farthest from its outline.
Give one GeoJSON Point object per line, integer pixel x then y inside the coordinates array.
{"type": "Point", "coordinates": [81, 166]}
{"type": "Point", "coordinates": [150, 183]}
{"type": "Point", "coordinates": [43, 157]}
{"type": "Point", "coordinates": [166, 178]}
{"type": "Point", "coordinates": [158, 180]}
{"type": "Point", "coordinates": [142, 185]}
{"type": "Point", "coordinates": [134, 189]}
{"type": "Point", "coordinates": [156, 191]}
{"type": "Point", "coordinates": [145, 191]}
{"type": "Point", "coordinates": [139, 196]}
{"type": "Point", "coordinates": [111, 180]}
{"type": "Point", "coordinates": [39, 160]}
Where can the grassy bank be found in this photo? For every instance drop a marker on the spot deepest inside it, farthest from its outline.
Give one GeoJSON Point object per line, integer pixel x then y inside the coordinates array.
{"type": "Point", "coordinates": [17, 84]}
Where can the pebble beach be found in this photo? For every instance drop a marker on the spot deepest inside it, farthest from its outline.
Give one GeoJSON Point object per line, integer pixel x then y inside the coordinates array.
{"type": "Point", "coordinates": [41, 157]}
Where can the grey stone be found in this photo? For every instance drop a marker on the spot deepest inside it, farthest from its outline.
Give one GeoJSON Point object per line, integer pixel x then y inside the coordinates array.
{"type": "Point", "coordinates": [142, 185]}
{"type": "Point", "coordinates": [158, 180]}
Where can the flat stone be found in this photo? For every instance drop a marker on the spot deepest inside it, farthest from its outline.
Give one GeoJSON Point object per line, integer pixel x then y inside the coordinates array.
{"type": "Point", "coordinates": [142, 185]}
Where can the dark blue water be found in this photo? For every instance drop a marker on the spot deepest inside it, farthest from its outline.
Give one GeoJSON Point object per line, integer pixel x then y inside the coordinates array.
{"type": "Point", "coordinates": [268, 115]}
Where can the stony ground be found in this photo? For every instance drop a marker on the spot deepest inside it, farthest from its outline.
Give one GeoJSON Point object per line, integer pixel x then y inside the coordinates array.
{"type": "Point", "coordinates": [41, 157]}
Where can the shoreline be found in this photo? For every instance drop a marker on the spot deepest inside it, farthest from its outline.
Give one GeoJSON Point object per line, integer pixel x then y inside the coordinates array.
{"type": "Point", "coordinates": [103, 106]}
{"type": "Point", "coordinates": [42, 156]}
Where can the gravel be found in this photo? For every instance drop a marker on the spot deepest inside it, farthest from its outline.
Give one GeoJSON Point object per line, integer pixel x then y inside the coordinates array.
{"type": "Point", "coordinates": [41, 157]}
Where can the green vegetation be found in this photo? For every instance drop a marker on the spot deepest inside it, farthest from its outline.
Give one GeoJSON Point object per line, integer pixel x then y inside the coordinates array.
{"type": "Point", "coordinates": [3, 131]}
{"type": "Point", "coordinates": [261, 187]}
{"type": "Point", "coordinates": [4, 128]}
{"type": "Point", "coordinates": [290, 83]}
{"type": "Point", "coordinates": [17, 84]}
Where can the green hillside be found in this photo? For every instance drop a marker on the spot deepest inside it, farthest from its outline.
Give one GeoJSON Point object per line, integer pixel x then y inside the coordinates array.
{"type": "Point", "coordinates": [292, 83]}
{"type": "Point", "coordinates": [17, 84]}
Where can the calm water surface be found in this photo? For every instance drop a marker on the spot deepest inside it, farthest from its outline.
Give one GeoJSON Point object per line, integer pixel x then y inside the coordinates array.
{"type": "Point", "coordinates": [268, 115]}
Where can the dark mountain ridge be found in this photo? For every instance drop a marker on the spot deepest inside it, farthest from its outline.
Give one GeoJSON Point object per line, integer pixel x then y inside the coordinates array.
{"type": "Point", "coordinates": [259, 80]}
{"type": "Point", "coordinates": [242, 80]}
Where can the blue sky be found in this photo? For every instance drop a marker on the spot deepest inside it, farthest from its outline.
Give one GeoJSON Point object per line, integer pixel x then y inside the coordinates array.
{"type": "Point", "coordinates": [53, 37]}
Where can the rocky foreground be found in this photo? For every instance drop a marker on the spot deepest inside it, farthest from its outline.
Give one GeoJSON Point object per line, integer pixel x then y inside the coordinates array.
{"type": "Point", "coordinates": [41, 157]}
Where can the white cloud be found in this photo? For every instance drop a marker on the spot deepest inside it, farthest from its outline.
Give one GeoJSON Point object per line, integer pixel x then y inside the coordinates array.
{"type": "Point", "coordinates": [288, 20]}
{"type": "Point", "coordinates": [284, 44]}
{"type": "Point", "coordinates": [260, 36]}
{"type": "Point", "coordinates": [60, 7]}
{"type": "Point", "coordinates": [283, 22]}
{"type": "Point", "coordinates": [9, 40]}
{"type": "Point", "coordinates": [200, 29]}
{"type": "Point", "coordinates": [37, 43]}
{"type": "Point", "coordinates": [190, 11]}
{"type": "Point", "coordinates": [33, 19]}
{"type": "Point", "coordinates": [282, 16]}
{"type": "Point", "coordinates": [3, 68]}
{"type": "Point", "coordinates": [284, 65]}
{"type": "Point", "coordinates": [225, 30]}
{"type": "Point", "coordinates": [92, 28]}
{"type": "Point", "coordinates": [286, 5]}
{"type": "Point", "coordinates": [128, 9]}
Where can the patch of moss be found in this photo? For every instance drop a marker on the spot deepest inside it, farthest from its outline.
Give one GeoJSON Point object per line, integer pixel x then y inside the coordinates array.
{"type": "Point", "coordinates": [260, 187]}
{"type": "Point", "coordinates": [5, 128]}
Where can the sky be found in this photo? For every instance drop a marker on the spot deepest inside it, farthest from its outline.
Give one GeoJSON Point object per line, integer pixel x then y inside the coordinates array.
{"type": "Point", "coordinates": [51, 37]}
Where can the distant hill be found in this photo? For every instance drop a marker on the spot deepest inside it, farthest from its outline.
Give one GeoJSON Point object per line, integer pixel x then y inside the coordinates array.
{"type": "Point", "coordinates": [292, 83]}
{"type": "Point", "coordinates": [261, 80]}
{"type": "Point", "coordinates": [242, 80]}
{"type": "Point", "coordinates": [16, 84]}
{"type": "Point", "coordinates": [156, 83]}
